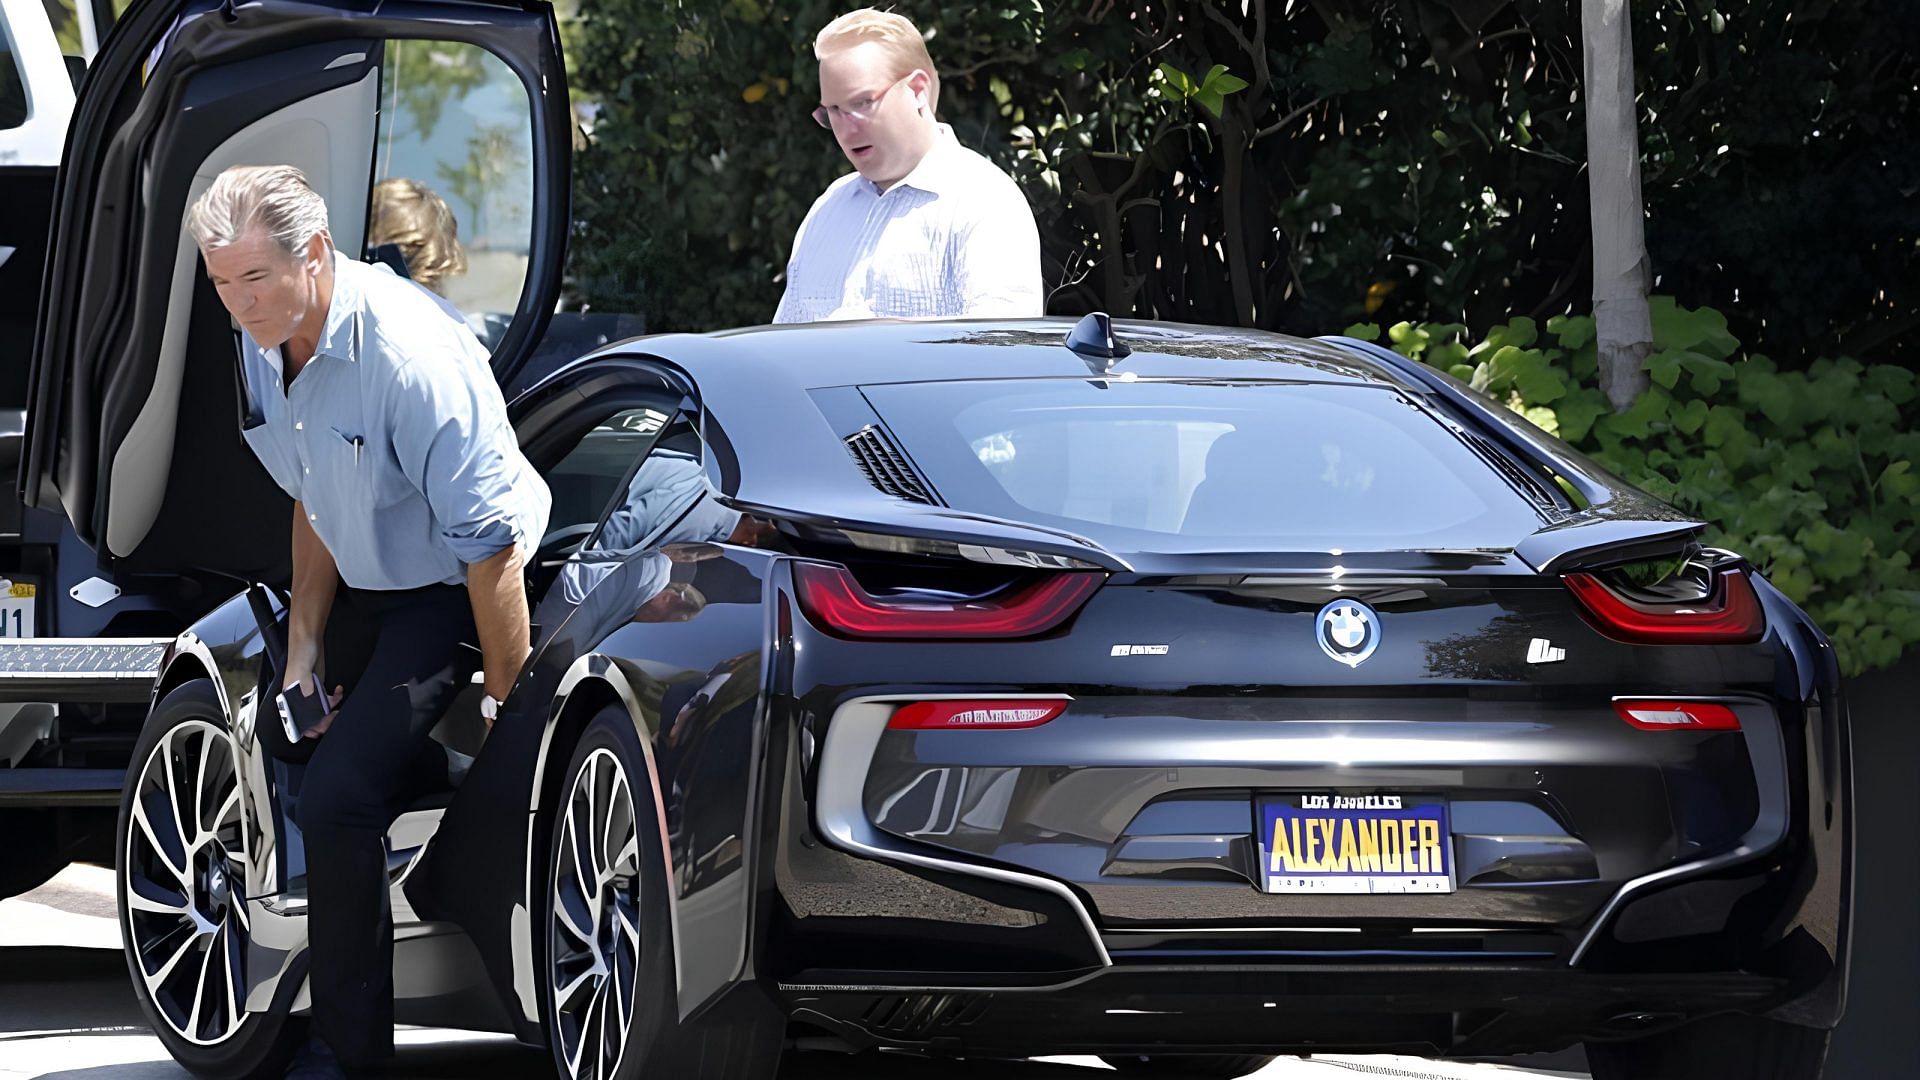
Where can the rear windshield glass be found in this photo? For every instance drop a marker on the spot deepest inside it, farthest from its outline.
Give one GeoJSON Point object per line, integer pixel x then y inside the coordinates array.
{"type": "Point", "coordinates": [1182, 466]}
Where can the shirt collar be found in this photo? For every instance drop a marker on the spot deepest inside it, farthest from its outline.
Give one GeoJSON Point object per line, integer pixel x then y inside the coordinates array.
{"type": "Point", "coordinates": [340, 335]}
{"type": "Point", "coordinates": [936, 173]}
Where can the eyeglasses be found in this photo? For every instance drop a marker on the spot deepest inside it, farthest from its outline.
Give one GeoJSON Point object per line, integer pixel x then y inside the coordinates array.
{"type": "Point", "coordinates": [861, 109]}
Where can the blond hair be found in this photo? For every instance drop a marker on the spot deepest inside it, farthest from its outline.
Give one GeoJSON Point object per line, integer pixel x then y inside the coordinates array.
{"type": "Point", "coordinates": [894, 33]}
{"type": "Point", "coordinates": [277, 198]}
{"type": "Point", "coordinates": [413, 217]}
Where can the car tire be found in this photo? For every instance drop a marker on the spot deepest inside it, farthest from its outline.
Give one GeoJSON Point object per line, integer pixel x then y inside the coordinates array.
{"type": "Point", "coordinates": [1730, 1045]}
{"type": "Point", "coordinates": [34, 851]}
{"type": "Point", "coordinates": [610, 955]}
{"type": "Point", "coordinates": [190, 980]}
{"type": "Point", "coordinates": [1187, 1066]}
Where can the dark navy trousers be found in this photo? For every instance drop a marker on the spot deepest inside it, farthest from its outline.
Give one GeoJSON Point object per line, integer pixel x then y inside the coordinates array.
{"type": "Point", "coordinates": [402, 656]}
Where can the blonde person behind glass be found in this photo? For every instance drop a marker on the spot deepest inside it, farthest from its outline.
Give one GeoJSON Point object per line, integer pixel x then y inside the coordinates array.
{"type": "Point", "coordinates": [413, 218]}
{"type": "Point", "coordinates": [923, 227]}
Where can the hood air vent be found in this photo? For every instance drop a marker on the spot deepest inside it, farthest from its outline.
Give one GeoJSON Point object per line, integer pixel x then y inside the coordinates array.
{"type": "Point", "coordinates": [884, 466]}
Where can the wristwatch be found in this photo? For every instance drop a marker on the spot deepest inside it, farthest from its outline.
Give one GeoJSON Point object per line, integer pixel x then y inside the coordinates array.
{"type": "Point", "coordinates": [489, 708]}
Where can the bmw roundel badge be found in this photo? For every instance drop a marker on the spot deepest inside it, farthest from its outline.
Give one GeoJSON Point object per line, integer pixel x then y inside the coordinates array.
{"type": "Point", "coordinates": [1348, 630]}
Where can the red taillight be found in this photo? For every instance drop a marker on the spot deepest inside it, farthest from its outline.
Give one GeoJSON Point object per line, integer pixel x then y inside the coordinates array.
{"type": "Point", "coordinates": [839, 605]}
{"type": "Point", "coordinates": [1730, 616]}
{"type": "Point", "coordinates": [1677, 715]}
{"type": "Point", "coordinates": [993, 715]}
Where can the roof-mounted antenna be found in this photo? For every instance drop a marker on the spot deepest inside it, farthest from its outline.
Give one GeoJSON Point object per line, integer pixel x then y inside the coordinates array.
{"type": "Point", "coordinates": [1092, 340]}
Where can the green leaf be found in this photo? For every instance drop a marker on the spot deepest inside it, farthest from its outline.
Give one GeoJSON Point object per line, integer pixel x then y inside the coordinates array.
{"type": "Point", "coordinates": [1572, 331]}
{"type": "Point", "coordinates": [1446, 354]}
{"type": "Point", "coordinates": [1701, 330]}
{"type": "Point", "coordinates": [1765, 391]}
{"type": "Point", "coordinates": [1366, 331]}
{"type": "Point", "coordinates": [1542, 418]}
{"type": "Point", "coordinates": [1708, 374]}
{"type": "Point", "coordinates": [1690, 417]}
{"type": "Point", "coordinates": [1541, 385]}
{"type": "Point", "coordinates": [1637, 422]}
{"type": "Point", "coordinates": [1663, 368]}
{"type": "Point", "coordinates": [1578, 411]}
{"type": "Point", "coordinates": [1182, 84]}
{"type": "Point", "coordinates": [1219, 79]}
{"type": "Point", "coordinates": [1520, 331]}
{"type": "Point", "coordinates": [1724, 423]}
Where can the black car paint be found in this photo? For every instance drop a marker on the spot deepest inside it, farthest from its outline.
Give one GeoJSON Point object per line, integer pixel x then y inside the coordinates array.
{"type": "Point", "coordinates": [849, 941]}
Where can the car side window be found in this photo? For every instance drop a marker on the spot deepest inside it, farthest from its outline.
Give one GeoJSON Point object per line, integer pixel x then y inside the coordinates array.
{"type": "Point", "coordinates": [13, 86]}
{"type": "Point", "coordinates": [667, 500]}
{"type": "Point", "coordinates": [452, 190]}
{"type": "Point", "coordinates": [585, 482]}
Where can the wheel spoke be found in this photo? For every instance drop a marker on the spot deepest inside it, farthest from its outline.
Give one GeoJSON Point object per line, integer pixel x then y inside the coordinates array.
{"type": "Point", "coordinates": [599, 1034]}
{"type": "Point", "coordinates": [146, 895]}
{"type": "Point", "coordinates": [230, 806]}
{"type": "Point", "coordinates": [593, 815]}
{"type": "Point", "coordinates": [615, 804]}
{"type": "Point", "coordinates": [200, 829]}
{"type": "Point", "coordinates": [574, 854]}
{"type": "Point", "coordinates": [619, 974]}
{"type": "Point", "coordinates": [625, 924]}
{"type": "Point", "coordinates": [566, 997]}
{"type": "Point", "coordinates": [199, 992]}
{"type": "Point", "coordinates": [570, 921]}
{"type": "Point", "coordinates": [577, 1051]}
{"type": "Point", "coordinates": [174, 855]}
{"type": "Point", "coordinates": [175, 809]}
{"type": "Point", "coordinates": [159, 978]}
{"type": "Point", "coordinates": [234, 974]}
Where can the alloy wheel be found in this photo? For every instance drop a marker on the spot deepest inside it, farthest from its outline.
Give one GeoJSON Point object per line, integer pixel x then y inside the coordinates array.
{"type": "Point", "coordinates": [596, 927]}
{"type": "Point", "coordinates": [185, 870]}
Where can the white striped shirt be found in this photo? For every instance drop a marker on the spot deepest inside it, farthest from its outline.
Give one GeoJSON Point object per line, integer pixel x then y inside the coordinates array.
{"type": "Point", "coordinates": [953, 238]}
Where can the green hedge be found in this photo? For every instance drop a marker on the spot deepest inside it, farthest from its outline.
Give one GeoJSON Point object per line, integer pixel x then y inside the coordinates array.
{"type": "Point", "coordinates": [1809, 473]}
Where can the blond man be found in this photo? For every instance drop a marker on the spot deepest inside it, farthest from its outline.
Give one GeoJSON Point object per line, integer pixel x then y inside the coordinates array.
{"type": "Point", "coordinates": [923, 227]}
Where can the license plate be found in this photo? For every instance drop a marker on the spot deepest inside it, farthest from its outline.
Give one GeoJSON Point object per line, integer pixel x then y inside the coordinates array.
{"type": "Point", "coordinates": [1333, 843]}
{"type": "Point", "coordinates": [16, 611]}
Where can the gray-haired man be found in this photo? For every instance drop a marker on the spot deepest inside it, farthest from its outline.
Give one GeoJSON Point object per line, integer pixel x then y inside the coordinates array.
{"type": "Point", "coordinates": [371, 403]}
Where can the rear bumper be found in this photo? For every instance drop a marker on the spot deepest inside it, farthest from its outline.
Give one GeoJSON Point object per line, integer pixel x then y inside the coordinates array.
{"type": "Point", "coordinates": [1459, 1010]}
{"type": "Point", "coordinates": [1722, 929]}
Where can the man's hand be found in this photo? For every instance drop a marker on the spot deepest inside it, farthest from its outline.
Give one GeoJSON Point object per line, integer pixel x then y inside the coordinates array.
{"type": "Point", "coordinates": [498, 588]}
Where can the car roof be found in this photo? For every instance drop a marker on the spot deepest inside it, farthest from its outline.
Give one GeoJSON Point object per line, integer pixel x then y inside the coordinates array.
{"type": "Point", "coordinates": [817, 355]}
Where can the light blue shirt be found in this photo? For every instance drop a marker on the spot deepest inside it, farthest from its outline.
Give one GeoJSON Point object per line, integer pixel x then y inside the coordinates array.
{"type": "Point", "coordinates": [394, 437]}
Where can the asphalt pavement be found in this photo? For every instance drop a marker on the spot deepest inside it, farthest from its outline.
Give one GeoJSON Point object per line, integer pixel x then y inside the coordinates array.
{"type": "Point", "coordinates": [67, 1012]}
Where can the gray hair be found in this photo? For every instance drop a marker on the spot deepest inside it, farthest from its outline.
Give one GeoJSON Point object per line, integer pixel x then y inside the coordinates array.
{"type": "Point", "coordinates": [277, 198]}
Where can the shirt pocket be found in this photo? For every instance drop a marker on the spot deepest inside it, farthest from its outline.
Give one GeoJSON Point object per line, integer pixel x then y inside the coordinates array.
{"type": "Point", "coordinates": [345, 461]}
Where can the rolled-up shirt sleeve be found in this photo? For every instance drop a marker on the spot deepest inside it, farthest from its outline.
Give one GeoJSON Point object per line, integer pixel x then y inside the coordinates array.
{"type": "Point", "coordinates": [461, 456]}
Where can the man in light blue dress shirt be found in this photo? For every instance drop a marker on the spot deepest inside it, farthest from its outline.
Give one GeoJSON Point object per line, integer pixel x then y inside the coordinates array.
{"type": "Point", "coordinates": [373, 405]}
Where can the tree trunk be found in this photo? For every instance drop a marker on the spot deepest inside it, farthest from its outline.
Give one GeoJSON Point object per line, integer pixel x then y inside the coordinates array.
{"type": "Point", "coordinates": [1623, 329]}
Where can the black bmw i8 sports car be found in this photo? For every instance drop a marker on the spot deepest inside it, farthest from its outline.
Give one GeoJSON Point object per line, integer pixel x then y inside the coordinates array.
{"type": "Point", "coordinates": [1179, 695]}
